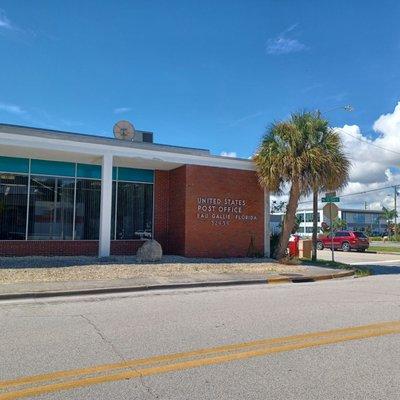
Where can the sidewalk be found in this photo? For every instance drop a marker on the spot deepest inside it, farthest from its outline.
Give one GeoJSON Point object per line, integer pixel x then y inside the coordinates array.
{"type": "Point", "coordinates": [21, 282]}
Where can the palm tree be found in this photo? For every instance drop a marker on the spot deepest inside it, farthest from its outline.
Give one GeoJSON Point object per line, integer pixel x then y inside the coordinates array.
{"type": "Point", "coordinates": [336, 172]}
{"type": "Point", "coordinates": [304, 153]}
{"type": "Point", "coordinates": [389, 216]}
{"type": "Point", "coordinates": [338, 224]}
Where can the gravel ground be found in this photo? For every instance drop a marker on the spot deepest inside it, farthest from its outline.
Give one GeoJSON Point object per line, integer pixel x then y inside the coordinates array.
{"type": "Point", "coordinates": [59, 269]}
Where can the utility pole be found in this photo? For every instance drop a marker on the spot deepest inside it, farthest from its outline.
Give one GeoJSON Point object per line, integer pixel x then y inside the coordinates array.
{"type": "Point", "coordinates": [315, 224]}
{"type": "Point", "coordinates": [347, 108]}
{"type": "Point", "coordinates": [395, 212]}
{"type": "Point", "coordinates": [331, 218]}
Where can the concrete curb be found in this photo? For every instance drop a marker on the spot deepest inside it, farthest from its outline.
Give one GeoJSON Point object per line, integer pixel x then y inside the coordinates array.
{"type": "Point", "coordinates": [384, 252]}
{"type": "Point", "coordinates": [142, 288]}
{"type": "Point", "coordinates": [312, 278]}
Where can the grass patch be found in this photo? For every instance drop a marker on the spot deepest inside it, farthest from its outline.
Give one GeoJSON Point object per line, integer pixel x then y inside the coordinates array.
{"type": "Point", "coordinates": [359, 271]}
{"type": "Point", "coordinates": [385, 249]}
{"type": "Point", "coordinates": [375, 239]}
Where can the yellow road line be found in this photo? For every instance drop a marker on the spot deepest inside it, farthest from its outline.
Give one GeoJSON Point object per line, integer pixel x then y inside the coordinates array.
{"type": "Point", "coordinates": [233, 352]}
{"type": "Point", "coordinates": [162, 358]}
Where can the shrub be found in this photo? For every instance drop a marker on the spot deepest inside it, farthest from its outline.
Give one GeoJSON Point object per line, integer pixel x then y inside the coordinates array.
{"type": "Point", "coordinates": [274, 243]}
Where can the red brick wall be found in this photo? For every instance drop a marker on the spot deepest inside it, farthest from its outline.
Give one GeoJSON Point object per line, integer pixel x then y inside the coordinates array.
{"type": "Point", "coordinates": [21, 248]}
{"type": "Point", "coordinates": [161, 207]}
{"type": "Point", "coordinates": [231, 234]}
{"type": "Point", "coordinates": [177, 211]}
{"type": "Point", "coordinates": [125, 247]}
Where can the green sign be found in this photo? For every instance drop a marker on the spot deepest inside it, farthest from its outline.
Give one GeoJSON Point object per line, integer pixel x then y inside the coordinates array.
{"type": "Point", "coordinates": [330, 199]}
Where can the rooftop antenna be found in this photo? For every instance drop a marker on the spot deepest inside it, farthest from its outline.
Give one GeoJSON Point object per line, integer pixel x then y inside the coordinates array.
{"type": "Point", "coordinates": [124, 130]}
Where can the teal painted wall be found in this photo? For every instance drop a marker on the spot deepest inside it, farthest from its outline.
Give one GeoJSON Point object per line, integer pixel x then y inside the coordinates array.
{"type": "Point", "coordinates": [13, 164]}
{"type": "Point", "coordinates": [60, 168]}
{"type": "Point", "coordinates": [135, 175]}
{"type": "Point", "coordinates": [57, 168]}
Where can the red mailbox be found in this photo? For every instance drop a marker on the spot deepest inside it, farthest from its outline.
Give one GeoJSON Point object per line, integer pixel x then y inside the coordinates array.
{"type": "Point", "coordinates": [293, 245]}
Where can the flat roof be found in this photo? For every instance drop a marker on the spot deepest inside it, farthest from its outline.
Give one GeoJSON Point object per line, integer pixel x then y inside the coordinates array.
{"type": "Point", "coordinates": [91, 138]}
{"type": "Point", "coordinates": [358, 210]}
{"type": "Point", "coordinates": [18, 140]}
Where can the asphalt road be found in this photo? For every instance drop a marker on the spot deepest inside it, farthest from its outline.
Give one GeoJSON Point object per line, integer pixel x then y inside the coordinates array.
{"type": "Point", "coordinates": [381, 264]}
{"type": "Point", "coordinates": [39, 337]}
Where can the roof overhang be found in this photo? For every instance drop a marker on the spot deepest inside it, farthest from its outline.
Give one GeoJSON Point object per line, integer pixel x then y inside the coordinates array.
{"type": "Point", "coordinates": [89, 149]}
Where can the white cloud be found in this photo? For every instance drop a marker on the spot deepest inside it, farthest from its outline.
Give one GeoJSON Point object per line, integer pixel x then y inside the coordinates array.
{"type": "Point", "coordinates": [228, 154]}
{"type": "Point", "coordinates": [246, 118]}
{"type": "Point", "coordinates": [5, 23]}
{"type": "Point", "coordinates": [373, 157]}
{"type": "Point", "coordinates": [122, 110]}
{"type": "Point", "coordinates": [375, 163]}
{"type": "Point", "coordinates": [12, 109]}
{"type": "Point", "coordinates": [282, 44]}
{"type": "Point", "coordinates": [9, 29]}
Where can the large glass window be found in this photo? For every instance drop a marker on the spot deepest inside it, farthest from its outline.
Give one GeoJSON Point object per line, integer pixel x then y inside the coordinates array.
{"type": "Point", "coordinates": [134, 210]}
{"type": "Point", "coordinates": [13, 199]}
{"type": "Point", "coordinates": [113, 209]}
{"type": "Point", "coordinates": [309, 217]}
{"type": "Point", "coordinates": [62, 201]}
{"type": "Point", "coordinates": [51, 208]}
{"type": "Point", "coordinates": [353, 217]}
{"type": "Point", "coordinates": [87, 214]}
{"type": "Point", "coordinates": [300, 216]}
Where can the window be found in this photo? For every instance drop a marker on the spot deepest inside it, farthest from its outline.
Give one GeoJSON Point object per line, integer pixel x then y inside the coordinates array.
{"type": "Point", "coordinates": [51, 208]}
{"type": "Point", "coordinates": [134, 210]}
{"type": "Point", "coordinates": [353, 217]}
{"type": "Point", "coordinates": [87, 214]}
{"type": "Point", "coordinates": [300, 216]}
{"type": "Point", "coordinates": [342, 234]}
{"type": "Point", "coordinates": [359, 235]}
{"type": "Point", "coordinates": [13, 204]}
{"type": "Point", "coordinates": [113, 209]}
{"type": "Point", "coordinates": [309, 217]}
{"type": "Point", "coordinates": [57, 200]}
{"type": "Point", "coordinates": [309, 229]}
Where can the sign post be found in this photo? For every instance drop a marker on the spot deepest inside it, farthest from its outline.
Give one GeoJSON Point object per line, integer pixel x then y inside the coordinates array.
{"type": "Point", "coordinates": [331, 198]}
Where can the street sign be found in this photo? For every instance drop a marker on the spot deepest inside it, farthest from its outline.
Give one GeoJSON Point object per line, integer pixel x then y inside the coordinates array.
{"type": "Point", "coordinates": [330, 199]}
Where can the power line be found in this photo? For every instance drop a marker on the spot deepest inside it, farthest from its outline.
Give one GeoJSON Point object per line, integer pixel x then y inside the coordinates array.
{"type": "Point", "coordinates": [358, 193]}
{"type": "Point", "coordinates": [368, 191]}
{"type": "Point", "coordinates": [365, 191]}
{"type": "Point", "coordinates": [366, 142]}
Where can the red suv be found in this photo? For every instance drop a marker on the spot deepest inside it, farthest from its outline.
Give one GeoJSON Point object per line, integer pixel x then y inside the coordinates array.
{"type": "Point", "coordinates": [344, 240]}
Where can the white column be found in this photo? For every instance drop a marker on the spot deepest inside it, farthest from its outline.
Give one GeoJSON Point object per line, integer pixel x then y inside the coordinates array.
{"type": "Point", "coordinates": [267, 233]}
{"type": "Point", "coordinates": [105, 206]}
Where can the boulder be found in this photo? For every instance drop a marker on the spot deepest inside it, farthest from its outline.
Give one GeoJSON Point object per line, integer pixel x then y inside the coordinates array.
{"type": "Point", "coordinates": [150, 251]}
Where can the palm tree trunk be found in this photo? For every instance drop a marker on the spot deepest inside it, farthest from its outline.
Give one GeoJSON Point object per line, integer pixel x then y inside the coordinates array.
{"type": "Point", "coordinates": [288, 220]}
{"type": "Point", "coordinates": [315, 225]}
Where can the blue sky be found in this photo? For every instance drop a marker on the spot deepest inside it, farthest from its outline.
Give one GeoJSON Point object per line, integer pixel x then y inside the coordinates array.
{"type": "Point", "coordinates": [209, 74]}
